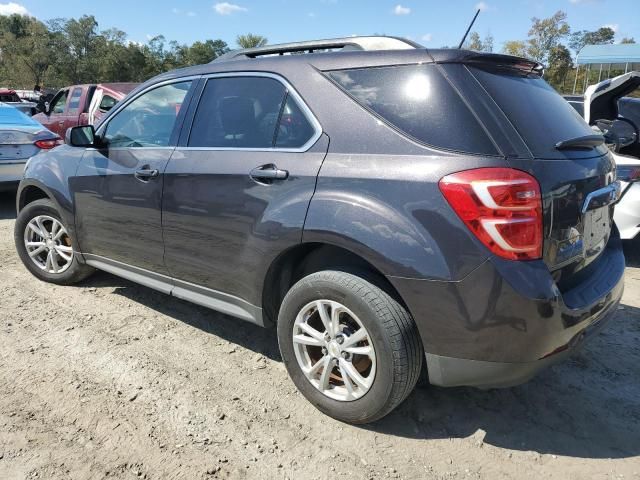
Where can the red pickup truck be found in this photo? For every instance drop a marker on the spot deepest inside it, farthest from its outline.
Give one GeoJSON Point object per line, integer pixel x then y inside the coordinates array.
{"type": "Point", "coordinates": [81, 105]}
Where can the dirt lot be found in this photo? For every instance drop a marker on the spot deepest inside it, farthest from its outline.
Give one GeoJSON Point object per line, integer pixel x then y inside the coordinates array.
{"type": "Point", "coordinates": [113, 380]}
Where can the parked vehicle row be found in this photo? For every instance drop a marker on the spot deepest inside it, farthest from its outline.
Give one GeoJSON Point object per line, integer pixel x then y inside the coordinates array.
{"type": "Point", "coordinates": [81, 105]}
{"type": "Point", "coordinates": [373, 203]}
{"type": "Point", "coordinates": [10, 97]}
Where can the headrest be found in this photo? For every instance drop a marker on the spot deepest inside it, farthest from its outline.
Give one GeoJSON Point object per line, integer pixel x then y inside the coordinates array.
{"type": "Point", "coordinates": [237, 115]}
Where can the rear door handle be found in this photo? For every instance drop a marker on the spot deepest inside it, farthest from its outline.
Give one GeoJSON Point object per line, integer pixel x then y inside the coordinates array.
{"type": "Point", "coordinates": [268, 173]}
{"type": "Point", "coordinates": [146, 173]}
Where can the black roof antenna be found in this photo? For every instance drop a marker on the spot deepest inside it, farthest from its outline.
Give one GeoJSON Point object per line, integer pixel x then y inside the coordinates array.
{"type": "Point", "coordinates": [467, 32]}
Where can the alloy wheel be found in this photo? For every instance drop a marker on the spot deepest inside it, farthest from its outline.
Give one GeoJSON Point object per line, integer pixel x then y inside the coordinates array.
{"type": "Point", "coordinates": [334, 350]}
{"type": "Point", "coordinates": [48, 244]}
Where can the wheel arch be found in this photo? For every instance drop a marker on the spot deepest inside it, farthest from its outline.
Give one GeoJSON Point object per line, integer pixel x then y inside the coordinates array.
{"type": "Point", "coordinates": [307, 258]}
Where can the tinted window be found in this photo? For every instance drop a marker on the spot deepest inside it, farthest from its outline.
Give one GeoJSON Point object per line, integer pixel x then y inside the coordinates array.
{"type": "Point", "coordinates": [239, 112]}
{"type": "Point", "coordinates": [294, 129]}
{"type": "Point", "coordinates": [539, 114]}
{"type": "Point", "coordinates": [149, 120]}
{"type": "Point", "coordinates": [59, 102]}
{"type": "Point", "coordinates": [74, 102]}
{"type": "Point", "coordinates": [420, 102]}
{"type": "Point", "coordinates": [107, 103]}
{"type": "Point", "coordinates": [9, 97]}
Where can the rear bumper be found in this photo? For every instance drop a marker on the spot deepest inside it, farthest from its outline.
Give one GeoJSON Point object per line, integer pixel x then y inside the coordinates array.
{"type": "Point", "coordinates": [11, 173]}
{"type": "Point", "coordinates": [455, 372]}
{"type": "Point", "coordinates": [507, 320]}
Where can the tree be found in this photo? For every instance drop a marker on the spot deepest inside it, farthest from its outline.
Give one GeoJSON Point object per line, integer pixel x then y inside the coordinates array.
{"type": "Point", "coordinates": [545, 34]}
{"type": "Point", "coordinates": [203, 52]}
{"type": "Point", "coordinates": [628, 40]}
{"type": "Point", "coordinates": [579, 39]}
{"type": "Point", "coordinates": [475, 43]}
{"type": "Point", "coordinates": [560, 64]}
{"type": "Point", "coordinates": [251, 41]}
{"type": "Point", "coordinates": [516, 48]}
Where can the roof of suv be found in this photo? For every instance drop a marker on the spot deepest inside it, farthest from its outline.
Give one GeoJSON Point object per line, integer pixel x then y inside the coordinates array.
{"type": "Point", "coordinates": [409, 53]}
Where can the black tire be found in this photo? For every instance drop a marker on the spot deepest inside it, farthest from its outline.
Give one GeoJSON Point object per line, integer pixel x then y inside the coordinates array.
{"type": "Point", "coordinates": [74, 273]}
{"type": "Point", "coordinates": [395, 337]}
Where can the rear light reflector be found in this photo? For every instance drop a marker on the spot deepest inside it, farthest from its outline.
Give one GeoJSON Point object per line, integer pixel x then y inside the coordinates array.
{"type": "Point", "coordinates": [48, 144]}
{"type": "Point", "coordinates": [501, 206]}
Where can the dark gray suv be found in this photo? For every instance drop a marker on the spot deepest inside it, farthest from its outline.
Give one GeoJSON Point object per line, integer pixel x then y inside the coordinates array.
{"type": "Point", "coordinates": [388, 208]}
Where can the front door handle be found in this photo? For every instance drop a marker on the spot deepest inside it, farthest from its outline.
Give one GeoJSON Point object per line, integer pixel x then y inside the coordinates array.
{"type": "Point", "coordinates": [268, 173]}
{"type": "Point", "coordinates": [146, 173]}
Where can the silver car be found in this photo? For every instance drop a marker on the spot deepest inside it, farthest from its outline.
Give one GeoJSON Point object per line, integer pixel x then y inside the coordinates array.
{"type": "Point", "coordinates": [21, 138]}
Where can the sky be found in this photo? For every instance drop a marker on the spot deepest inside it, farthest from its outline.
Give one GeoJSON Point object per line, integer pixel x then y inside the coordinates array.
{"type": "Point", "coordinates": [431, 23]}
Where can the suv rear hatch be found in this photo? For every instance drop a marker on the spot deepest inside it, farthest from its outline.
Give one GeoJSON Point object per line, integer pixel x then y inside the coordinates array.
{"type": "Point", "coordinates": [499, 106]}
{"type": "Point", "coordinates": [575, 170]}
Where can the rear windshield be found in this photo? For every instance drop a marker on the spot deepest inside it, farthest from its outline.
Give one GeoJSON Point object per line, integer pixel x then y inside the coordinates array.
{"type": "Point", "coordinates": [539, 114]}
{"type": "Point", "coordinates": [420, 102]}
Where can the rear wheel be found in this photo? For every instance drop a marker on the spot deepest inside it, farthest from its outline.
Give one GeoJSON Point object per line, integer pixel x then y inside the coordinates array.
{"type": "Point", "coordinates": [44, 245]}
{"type": "Point", "coordinates": [350, 348]}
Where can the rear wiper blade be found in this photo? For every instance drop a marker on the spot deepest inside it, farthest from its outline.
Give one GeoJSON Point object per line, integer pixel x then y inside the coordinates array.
{"type": "Point", "coordinates": [586, 141]}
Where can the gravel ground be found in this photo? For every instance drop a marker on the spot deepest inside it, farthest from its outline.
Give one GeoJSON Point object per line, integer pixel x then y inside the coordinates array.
{"type": "Point", "coordinates": [113, 380]}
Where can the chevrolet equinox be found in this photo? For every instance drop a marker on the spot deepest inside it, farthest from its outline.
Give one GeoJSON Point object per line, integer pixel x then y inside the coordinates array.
{"type": "Point", "coordinates": [385, 207]}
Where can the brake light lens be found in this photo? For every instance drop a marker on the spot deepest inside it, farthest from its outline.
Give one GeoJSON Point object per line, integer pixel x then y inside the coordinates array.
{"type": "Point", "coordinates": [501, 206]}
{"type": "Point", "coordinates": [48, 144]}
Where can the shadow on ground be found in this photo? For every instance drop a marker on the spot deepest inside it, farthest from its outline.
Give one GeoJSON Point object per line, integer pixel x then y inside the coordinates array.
{"type": "Point", "coordinates": [587, 407]}
{"type": "Point", "coordinates": [8, 205]}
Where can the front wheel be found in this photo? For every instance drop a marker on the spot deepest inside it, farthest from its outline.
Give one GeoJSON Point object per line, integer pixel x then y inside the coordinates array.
{"type": "Point", "coordinates": [44, 245]}
{"type": "Point", "coordinates": [351, 349]}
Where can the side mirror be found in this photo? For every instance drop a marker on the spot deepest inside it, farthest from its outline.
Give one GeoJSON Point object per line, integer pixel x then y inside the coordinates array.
{"type": "Point", "coordinates": [47, 106]}
{"type": "Point", "coordinates": [84, 136]}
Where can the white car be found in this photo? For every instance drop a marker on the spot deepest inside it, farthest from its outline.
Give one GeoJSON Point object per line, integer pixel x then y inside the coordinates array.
{"type": "Point", "coordinates": [604, 107]}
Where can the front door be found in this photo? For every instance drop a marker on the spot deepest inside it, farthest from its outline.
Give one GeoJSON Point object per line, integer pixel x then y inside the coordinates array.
{"type": "Point", "coordinates": [53, 119]}
{"type": "Point", "coordinates": [118, 188]}
{"type": "Point", "coordinates": [237, 189]}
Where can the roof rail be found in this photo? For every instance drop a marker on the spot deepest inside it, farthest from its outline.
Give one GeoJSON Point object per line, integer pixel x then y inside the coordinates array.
{"type": "Point", "coordinates": [347, 43]}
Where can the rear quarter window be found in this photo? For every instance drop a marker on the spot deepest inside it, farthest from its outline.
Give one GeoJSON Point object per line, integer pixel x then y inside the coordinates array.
{"type": "Point", "coordinates": [420, 102]}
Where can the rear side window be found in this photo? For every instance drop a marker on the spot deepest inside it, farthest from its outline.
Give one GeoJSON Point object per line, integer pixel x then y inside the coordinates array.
{"type": "Point", "coordinates": [539, 114]}
{"type": "Point", "coordinates": [238, 112]}
{"type": "Point", "coordinates": [294, 129]}
{"type": "Point", "coordinates": [74, 101]}
{"type": "Point", "coordinates": [420, 102]}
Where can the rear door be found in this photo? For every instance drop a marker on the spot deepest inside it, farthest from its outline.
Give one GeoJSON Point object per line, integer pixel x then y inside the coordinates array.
{"type": "Point", "coordinates": [238, 186]}
{"type": "Point", "coordinates": [118, 188]}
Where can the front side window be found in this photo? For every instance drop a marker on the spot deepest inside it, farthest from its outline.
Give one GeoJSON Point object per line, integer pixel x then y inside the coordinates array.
{"type": "Point", "coordinates": [149, 120]}
{"type": "Point", "coordinates": [74, 102]}
{"type": "Point", "coordinates": [59, 102]}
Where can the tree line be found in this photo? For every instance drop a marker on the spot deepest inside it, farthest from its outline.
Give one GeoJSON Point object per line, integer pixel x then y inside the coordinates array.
{"type": "Point", "coordinates": [72, 51]}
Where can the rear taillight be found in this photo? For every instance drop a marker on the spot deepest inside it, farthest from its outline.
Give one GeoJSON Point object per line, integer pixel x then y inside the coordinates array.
{"type": "Point", "coordinates": [48, 144]}
{"type": "Point", "coordinates": [501, 206]}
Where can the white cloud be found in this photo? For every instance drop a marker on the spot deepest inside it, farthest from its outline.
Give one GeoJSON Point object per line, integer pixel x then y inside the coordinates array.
{"type": "Point", "coordinates": [177, 11]}
{"type": "Point", "coordinates": [226, 8]}
{"type": "Point", "coordinates": [612, 26]}
{"type": "Point", "coordinates": [400, 10]}
{"type": "Point", "coordinates": [191, 14]}
{"type": "Point", "coordinates": [427, 37]}
{"type": "Point", "coordinates": [482, 6]}
{"type": "Point", "coordinates": [12, 8]}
